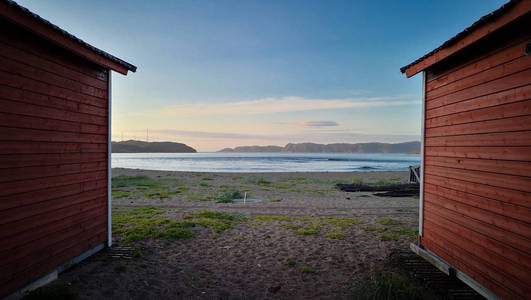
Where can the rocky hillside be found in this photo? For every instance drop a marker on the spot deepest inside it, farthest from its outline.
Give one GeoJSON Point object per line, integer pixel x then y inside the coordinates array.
{"type": "Point", "coordinates": [253, 149]}
{"type": "Point", "coordinates": [133, 146]}
{"type": "Point", "coordinates": [333, 148]}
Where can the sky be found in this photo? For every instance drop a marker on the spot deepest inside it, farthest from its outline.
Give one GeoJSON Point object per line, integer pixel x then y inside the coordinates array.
{"type": "Point", "coordinates": [216, 74]}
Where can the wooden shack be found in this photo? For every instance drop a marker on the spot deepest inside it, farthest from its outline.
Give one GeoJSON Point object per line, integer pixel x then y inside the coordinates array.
{"type": "Point", "coordinates": [475, 204]}
{"type": "Point", "coordinates": [55, 107]}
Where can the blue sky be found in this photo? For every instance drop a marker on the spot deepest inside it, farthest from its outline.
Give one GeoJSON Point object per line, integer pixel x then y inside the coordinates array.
{"type": "Point", "coordinates": [217, 74]}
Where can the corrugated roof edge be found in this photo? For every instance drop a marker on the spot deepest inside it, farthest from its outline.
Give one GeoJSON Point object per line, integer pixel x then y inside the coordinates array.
{"type": "Point", "coordinates": [485, 19]}
{"type": "Point", "coordinates": [123, 63]}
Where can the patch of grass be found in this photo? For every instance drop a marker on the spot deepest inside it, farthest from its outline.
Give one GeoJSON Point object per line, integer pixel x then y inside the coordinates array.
{"type": "Point", "coordinates": [276, 200]}
{"type": "Point", "coordinates": [391, 287]}
{"type": "Point", "coordinates": [229, 196]}
{"type": "Point", "coordinates": [415, 197]}
{"type": "Point", "coordinates": [340, 222]}
{"type": "Point", "coordinates": [52, 291]}
{"type": "Point", "coordinates": [217, 225]}
{"type": "Point", "coordinates": [311, 229]}
{"type": "Point", "coordinates": [334, 234]}
{"type": "Point", "coordinates": [237, 239]}
{"type": "Point", "coordinates": [207, 178]}
{"type": "Point", "coordinates": [405, 232]}
{"type": "Point", "coordinates": [387, 221]}
{"type": "Point", "coordinates": [219, 216]}
{"type": "Point", "coordinates": [307, 270]}
{"type": "Point", "coordinates": [258, 181]}
{"type": "Point", "coordinates": [357, 181]}
{"type": "Point", "coordinates": [387, 237]}
{"type": "Point", "coordinates": [120, 194]}
{"type": "Point", "coordinates": [280, 186]}
{"type": "Point", "coordinates": [140, 223]}
{"type": "Point", "coordinates": [204, 184]}
{"type": "Point", "coordinates": [386, 182]}
{"type": "Point", "coordinates": [197, 197]}
{"type": "Point", "coordinates": [364, 196]}
{"type": "Point", "coordinates": [290, 262]}
{"type": "Point", "coordinates": [138, 180]}
{"type": "Point", "coordinates": [320, 192]}
{"type": "Point", "coordinates": [291, 226]}
{"type": "Point", "coordinates": [281, 218]}
{"type": "Point", "coordinates": [370, 228]}
{"type": "Point", "coordinates": [163, 192]}
{"type": "Point", "coordinates": [218, 221]}
{"type": "Point", "coordinates": [121, 268]}
{"type": "Point", "coordinates": [256, 224]}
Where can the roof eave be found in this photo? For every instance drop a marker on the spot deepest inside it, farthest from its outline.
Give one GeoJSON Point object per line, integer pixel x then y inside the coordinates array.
{"type": "Point", "coordinates": [481, 28]}
{"type": "Point", "coordinates": [19, 15]}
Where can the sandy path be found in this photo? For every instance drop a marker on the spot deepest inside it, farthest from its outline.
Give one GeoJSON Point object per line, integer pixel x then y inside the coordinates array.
{"type": "Point", "coordinates": [248, 261]}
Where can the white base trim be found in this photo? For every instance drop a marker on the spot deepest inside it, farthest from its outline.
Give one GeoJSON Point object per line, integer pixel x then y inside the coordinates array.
{"type": "Point", "coordinates": [41, 281]}
{"type": "Point", "coordinates": [448, 269]}
{"type": "Point", "coordinates": [52, 275]}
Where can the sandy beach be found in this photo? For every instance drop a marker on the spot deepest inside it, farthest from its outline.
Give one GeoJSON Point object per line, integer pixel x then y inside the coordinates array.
{"type": "Point", "coordinates": [296, 236]}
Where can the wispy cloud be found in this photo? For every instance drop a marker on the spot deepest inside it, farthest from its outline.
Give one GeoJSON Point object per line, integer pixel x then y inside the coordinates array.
{"type": "Point", "coordinates": [277, 105]}
{"type": "Point", "coordinates": [317, 123]}
{"type": "Point", "coordinates": [173, 134]}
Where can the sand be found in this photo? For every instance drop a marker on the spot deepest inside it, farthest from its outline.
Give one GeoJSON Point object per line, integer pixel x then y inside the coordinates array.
{"type": "Point", "coordinates": [249, 260]}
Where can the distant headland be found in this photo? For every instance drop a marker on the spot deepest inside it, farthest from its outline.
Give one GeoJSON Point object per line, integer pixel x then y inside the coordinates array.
{"type": "Point", "coordinates": [132, 146]}
{"type": "Point", "coordinates": [407, 147]}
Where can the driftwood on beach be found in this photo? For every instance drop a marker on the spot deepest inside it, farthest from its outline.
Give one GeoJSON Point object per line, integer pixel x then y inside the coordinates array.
{"type": "Point", "coordinates": [395, 190]}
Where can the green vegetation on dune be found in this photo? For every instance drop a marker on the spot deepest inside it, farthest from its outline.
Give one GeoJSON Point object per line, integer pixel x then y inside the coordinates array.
{"type": "Point", "coordinates": [138, 180]}
{"type": "Point", "coordinates": [310, 229]}
{"type": "Point", "coordinates": [120, 194]}
{"type": "Point", "coordinates": [387, 221]}
{"type": "Point", "coordinates": [217, 221]}
{"type": "Point", "coordinates": [258, 181]}
{"type": "Point", "coordinates": [370, 228]}
{"type": "Point", "coordinates": [334, 234]}
{"type": "Point", "coordinates": [146, 186]}
{"type": "Point", "coordinates": [139, 223]}
{"type": "Point", "coordinates": [307, 270]}
{"type": "Point", "coordinates": [290, 262]}
{"type": "Point", "coordinates": [310, 226]}
{"type": "Point", "coordinates": [229, 196]}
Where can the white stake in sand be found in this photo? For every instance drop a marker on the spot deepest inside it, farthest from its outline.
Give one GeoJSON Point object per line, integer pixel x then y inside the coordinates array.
{"type": "Point", "coordinates": [244, 198]}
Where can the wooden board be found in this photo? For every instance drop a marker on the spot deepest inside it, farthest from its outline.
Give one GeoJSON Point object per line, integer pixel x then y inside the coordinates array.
{"type": "Point", "coordinates": [53, 156]}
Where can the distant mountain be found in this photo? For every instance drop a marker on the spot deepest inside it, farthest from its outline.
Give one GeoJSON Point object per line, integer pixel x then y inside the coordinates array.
{"type": "Point", "coordinates": [406, 147]}
{"type": "Point", "coordinates": [133, 146]}
{"type": "Point", "coordinates": [253, 149]}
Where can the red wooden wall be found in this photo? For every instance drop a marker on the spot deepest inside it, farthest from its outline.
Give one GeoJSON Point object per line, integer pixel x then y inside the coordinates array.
{"type": "Point", "coordinates": [477, 190]}
{"type": "Point", "coordinates": [53, 156]}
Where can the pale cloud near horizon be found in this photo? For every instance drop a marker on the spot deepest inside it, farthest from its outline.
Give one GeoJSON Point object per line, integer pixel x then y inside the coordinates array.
{"type": "Point", "coordinates": [276, 105]}
{"type": "Point", "coordinates": [317, 123]}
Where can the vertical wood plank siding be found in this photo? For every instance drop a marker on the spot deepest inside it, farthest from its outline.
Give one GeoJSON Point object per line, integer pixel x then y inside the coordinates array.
{"type": "Point", "coordinates": [53, 156]}
{"type": "Point", "coordinates": [477, 188]}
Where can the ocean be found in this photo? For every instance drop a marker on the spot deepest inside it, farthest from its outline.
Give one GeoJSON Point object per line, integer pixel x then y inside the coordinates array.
{"type": "Point", "coordinates": [266, 162]}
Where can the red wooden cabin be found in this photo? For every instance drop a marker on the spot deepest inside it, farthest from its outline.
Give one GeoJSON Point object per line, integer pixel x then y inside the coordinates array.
{"type": "Point", "coordinates": [475, 204]}
{"type": "Point", "coordinates": [54, 148]}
